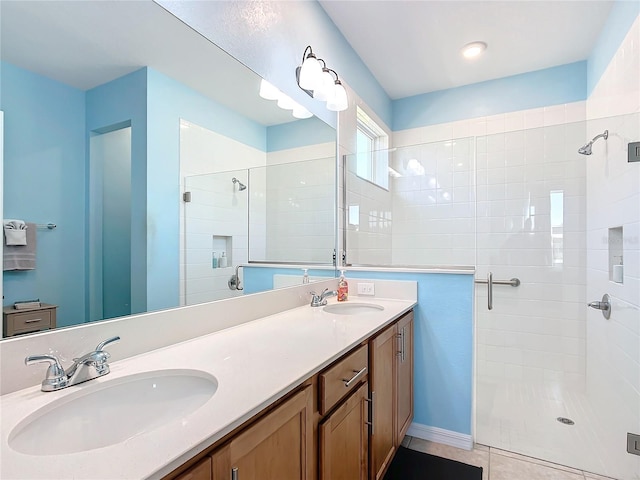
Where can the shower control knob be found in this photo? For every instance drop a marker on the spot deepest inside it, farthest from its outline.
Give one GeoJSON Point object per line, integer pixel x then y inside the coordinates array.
{"type": "Point", "coordinates": [604, 305]}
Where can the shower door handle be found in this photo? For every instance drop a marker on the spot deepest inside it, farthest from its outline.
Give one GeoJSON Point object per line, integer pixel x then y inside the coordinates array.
{"type": "Point", "coordinates": [514, 282]}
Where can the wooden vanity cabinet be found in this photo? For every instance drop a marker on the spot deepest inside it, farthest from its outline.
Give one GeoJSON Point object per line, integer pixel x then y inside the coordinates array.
{"type": "Point", "coordinates": [344, 423]}
{"type": "Point", "coordinates": [343, 431]}
{"type": "Point", "coordinates": [273, 448]}
{"type": "Point", "coordinates": [382, 393]}
{"type": "Point", "coordinates": [200, 471]}
{"type": "Point", "coordinates": [344, 439]}
{"type": "Point", "coordinates": [404, 377]}
{"type": "Point", "coordinates": [391, 392]}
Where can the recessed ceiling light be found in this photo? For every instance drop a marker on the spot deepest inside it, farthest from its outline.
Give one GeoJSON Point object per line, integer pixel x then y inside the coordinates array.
{"type": "Point", "coordinates": [472, 50]}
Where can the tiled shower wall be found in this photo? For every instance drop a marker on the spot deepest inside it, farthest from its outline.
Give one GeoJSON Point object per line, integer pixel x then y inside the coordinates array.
{"type": "Point", "coordinates": [613, 201]}
{"type": "Point", "coordinates": [535, 332]}
{"type": "Point", "coordinates": [217, 208]}
{"type": "Point", "coordinates": [292, 191]}
{"type": "Point", "coordinates": [433, 203]}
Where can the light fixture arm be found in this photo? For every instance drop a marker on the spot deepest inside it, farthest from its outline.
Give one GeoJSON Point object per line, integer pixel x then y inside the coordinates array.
{"type": "Point", "coordinates": [304, 54]}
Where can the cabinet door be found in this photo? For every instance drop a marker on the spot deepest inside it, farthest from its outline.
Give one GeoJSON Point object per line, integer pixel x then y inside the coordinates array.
{"type": "Point", "coordinates": [200, 471]}
{"type": "Point", "coordinates": [274, 448]}
{"type": "Point", "coordinates": [344, 439]}
{"type": "Point", "coordinates": [404, 377]}
{"type": "Point", "coordinates": [383, 351]}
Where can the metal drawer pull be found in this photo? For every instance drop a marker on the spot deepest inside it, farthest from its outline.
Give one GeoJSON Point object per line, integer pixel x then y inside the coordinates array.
{"type": "Point", "coordinates": [33, 320]}
{"type": "Point", "coordinates": [347, 383]}
{"type": "Point", "coordinates": [234, 473]}
{"type": "Point", "coordinates": [371, 412]}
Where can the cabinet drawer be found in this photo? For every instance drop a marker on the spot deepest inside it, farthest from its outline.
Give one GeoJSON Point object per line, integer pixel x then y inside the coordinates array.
{"type": "Point", "coordinates": [342, 378]}
{"type": "Point", "coordinates": [31, 321]}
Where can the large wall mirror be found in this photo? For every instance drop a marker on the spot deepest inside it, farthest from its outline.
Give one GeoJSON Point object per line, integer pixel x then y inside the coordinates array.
{"type": "Point", "coordinates": [152, 153]}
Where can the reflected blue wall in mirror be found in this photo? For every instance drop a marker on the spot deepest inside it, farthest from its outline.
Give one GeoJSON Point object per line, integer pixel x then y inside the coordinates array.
{"type": "Point", "coordinates": [299, 134]}
{"type": "Point", "coordinates": [53, 153]}
{"type": "Point", "coordinates": [44, 149]}
{"type": "Point", "coordinates": [259, 279]}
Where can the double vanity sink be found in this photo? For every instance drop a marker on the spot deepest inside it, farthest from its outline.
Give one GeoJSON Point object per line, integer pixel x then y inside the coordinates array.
{"type": "Point", "coordinates": [156, 410]}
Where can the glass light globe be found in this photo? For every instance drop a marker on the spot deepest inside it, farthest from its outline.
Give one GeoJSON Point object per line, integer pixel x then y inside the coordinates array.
{"type": "Point", "coordinates": [324, 88]}
{"type": "Point", "coordinates": [300, 112]}
{"type": "Point", "coordinates": [310, 73]}
{"type": "Point", "coordinates": [285, 102]}
{"type": "Point", "coordinates": [268, 91]}
{"type": "Point", "coordinates": [339, 102]}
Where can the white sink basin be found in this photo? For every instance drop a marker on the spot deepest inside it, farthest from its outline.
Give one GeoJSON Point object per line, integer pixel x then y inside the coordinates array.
{"type": "Point", "coordinates": [107, 413]}
{"type": "Point", "coordinates": [353, 308]}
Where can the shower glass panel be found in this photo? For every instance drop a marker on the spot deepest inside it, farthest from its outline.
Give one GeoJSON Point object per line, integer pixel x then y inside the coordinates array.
{"type": "Point", "coordinates": [215, 221]}
{"type": "Point", "coordinates": [554, 379]}
{"type": "Point", "coordinates": [425, 218]}
{"type": "Point", "coordinates": [292, 212]}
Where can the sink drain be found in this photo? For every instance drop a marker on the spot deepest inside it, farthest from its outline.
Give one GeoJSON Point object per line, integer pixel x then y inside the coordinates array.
{"type": "Point", "coordinates": [566, 421]}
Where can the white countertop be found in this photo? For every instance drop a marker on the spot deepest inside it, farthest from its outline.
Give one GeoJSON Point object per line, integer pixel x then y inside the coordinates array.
{"type": "Point", "coordinates": [254, 363]}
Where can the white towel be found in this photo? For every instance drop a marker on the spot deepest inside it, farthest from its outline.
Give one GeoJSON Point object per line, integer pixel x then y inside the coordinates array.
{"type": "Point", "coordinates": [22, 257]}
{"type": "Point", "coordinates": [15, 232]}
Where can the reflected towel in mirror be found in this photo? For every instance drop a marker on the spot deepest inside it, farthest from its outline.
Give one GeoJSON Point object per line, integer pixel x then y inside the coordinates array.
{"type": "Point", "coordinates": [15, 232]}
{"type": "Point", "coordinates": [21, 257]}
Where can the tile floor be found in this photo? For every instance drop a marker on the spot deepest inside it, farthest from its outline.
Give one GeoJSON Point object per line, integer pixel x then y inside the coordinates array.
{"type": "Point", "coordinates": [501, 465]}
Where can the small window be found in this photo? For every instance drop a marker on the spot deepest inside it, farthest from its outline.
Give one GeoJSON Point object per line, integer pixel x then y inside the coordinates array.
{"type": "Point", "coordinates": [372, 156]}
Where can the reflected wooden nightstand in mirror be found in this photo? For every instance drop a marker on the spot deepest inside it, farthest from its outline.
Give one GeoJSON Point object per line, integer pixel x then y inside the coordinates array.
{"type": "Point", "coordinates": [28, 320]}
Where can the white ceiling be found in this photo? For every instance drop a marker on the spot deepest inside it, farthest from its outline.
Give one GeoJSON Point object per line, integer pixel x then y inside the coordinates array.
{"type": "Point", "coordinates": [413, 47]}
{"type": "Point", "coordinates": [87, 43]}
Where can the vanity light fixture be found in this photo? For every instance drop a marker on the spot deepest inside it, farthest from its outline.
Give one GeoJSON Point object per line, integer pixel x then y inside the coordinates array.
{"type": "Point", "coordinates": [284, 101]}
{"type": "Point", "coordinates": [473, 49]}
{"type": "Point", "coordinates": [317, 80]}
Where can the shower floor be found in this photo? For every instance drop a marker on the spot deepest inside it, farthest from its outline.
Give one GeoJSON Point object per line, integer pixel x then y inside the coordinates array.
{"type": "Point", "coordinates": [521, 417]}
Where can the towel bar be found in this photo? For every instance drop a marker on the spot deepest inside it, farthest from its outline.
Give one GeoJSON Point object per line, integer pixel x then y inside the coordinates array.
{"type": "Point", "coordinates": [50, 226]}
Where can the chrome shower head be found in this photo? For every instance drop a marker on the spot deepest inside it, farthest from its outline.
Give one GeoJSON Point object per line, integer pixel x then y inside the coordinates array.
{"type": "Point", "coordinates": [586, 149]}
{"type": "Point", "coordinates": [241, 186]}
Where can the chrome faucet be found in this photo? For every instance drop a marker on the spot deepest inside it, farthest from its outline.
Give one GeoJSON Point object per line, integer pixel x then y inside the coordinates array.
{"type": "Point", "coordinates": [92, 365]}
{"type": "Point", "coordinates": [320, 300]}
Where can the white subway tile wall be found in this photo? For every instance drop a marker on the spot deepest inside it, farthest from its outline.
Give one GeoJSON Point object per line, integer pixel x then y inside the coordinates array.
{"type": "Point", "coordinates": [300, 211]}
{"type": "Point", "coordinates": [217, 208]}
{"type": "Point", "coordinates": [543, 214]}
{"type": "Point", "coordinates": [613, 200]}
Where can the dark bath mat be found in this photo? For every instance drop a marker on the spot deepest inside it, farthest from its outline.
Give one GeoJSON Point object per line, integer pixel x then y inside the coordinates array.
{"type": "Point", "coordinates": [412, 465]}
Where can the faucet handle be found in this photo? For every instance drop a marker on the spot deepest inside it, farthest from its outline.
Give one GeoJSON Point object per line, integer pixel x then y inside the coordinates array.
{"type": "Point", "coordinates": [56, 377]}
{"type": "Point", "coordinates": [101, 345]}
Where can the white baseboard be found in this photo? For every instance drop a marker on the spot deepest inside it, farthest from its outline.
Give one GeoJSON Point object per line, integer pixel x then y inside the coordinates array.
{"type": "Point", "coordinates": [440, 435]}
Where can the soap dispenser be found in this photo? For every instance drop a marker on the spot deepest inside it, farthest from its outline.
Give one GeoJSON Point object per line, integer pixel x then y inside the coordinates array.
{"type": "Point", "coordinates": [305, 275]}
{"type": "Point", "coordinates": [343, 288]}
{"type": "Point", "coordinates": [222, 261]}
{"type": "Point", "coordinates": [618, 271]}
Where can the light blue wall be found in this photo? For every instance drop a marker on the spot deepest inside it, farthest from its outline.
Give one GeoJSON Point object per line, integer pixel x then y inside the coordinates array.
{"type": "Point", "coordinates": [120, 102]}
{"type": "Point", "coordinates": [44, 181]}
{"type": "Point", "coordinates": [299, 133]}
{"type": "Point", "coordinates": [551, 86]}
{"type": "Point", "coordinates": [270, 37]}
{"type": "Point", "coordinates": [620, 20]}
{"type": "Point", "coordinates": [443, 372]}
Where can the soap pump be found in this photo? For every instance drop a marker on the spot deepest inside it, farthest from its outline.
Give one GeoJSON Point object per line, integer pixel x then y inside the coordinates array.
{"type": "Point", "coordinates": [305, 275]}
{"type": "Point", "coordinates": [343, 288]}
{"type": "Point", "coordinates": [618, 271]}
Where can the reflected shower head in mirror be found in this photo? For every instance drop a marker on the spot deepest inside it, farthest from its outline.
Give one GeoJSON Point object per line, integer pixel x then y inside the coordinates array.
{"type": "Point", "coordinates": [586, 149]}
{"type": "Point", "coordinates": [241, 186]}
